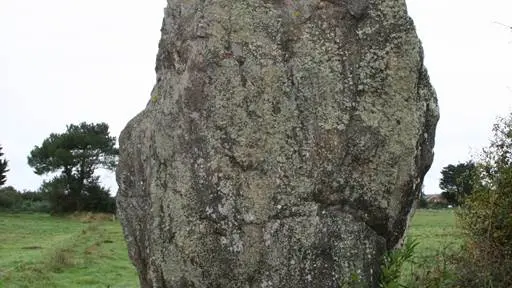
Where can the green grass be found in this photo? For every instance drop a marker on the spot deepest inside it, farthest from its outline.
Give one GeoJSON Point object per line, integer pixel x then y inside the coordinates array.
{"type": "Point", "coordinates": [438, 240]}
{"type": "Point", "coordinates": [37, 250]}
{"type": "Point", "coordinates": [436, 233]}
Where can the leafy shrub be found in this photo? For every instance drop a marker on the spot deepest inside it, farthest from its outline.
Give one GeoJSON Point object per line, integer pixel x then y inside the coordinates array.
{"type": "Point", "coordinates": [432, 272]}
{"type": "Point", "coordinates": [35, 206]}
{"type": "Point", "coordinates": [98, 199]}
{"type": "Point", "coordinates": [12, 200]}
{"type": "Point", "coordinates": [486, 216]}
{"type": "Point", "coordinates": [33, 196]}
{"type": "Point", "coordinates": [9, 197]}
{"type": "Point", "coordinates": [58, 196]}
{"type": "Point", "coordinates": [486, 219]}
{"type": "Point", "coordinates": [93, 198]}
{"type": "Point", "coordinates": [391, 269]}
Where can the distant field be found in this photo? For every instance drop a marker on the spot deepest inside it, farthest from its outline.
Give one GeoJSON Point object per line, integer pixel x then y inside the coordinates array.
{"type": "Point", "coordinates": [435, 230]}
{"type": "Point", "coordinates": [37, 250]}
{"type": "Point", "coordinates": [438, 240]}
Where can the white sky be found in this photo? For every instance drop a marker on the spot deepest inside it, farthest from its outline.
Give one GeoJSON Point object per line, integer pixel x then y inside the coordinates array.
{"type": "Point", "coordinates": [68, 61]}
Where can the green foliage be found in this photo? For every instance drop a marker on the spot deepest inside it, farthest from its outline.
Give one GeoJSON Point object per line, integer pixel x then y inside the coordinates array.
{"type": "Point", "coordinates": [15, 201]}
{"type": "Point", "coordinates": [9, 197]}
{"type": "Point", "coordinates": [391, 268]}
{"type": "Point", "coordinates": [3, 168]}
{"type": "Point", "coordinates": [76, 154]}
{"type": "Point", "coordinates": [93, 197]}
{"type": "Point", "coordinates": [354, 281]}
{"type": "Point", "coordinates": [486, 219]}
{"type": "Point", "coordinates": [33, 196]}
{"type": "Point", "coordinates": [33, 206]}
{"type": "Point", "coordinates": [56, 193]}
{"type": "Point", "coordinates": [432, 264]}
{"type": "Point", "coordinates": [433, 272]}
{"type": "Point", "coordinates": [98, 199]}
{"type": "Point", "coordinates": [486, 216]}
{"type": "Point", "coordinates": [457, 181]}
{"type": "Point", "coordinates": [426, 258]}
{"type": "Point", "coordinates": [79, 151]}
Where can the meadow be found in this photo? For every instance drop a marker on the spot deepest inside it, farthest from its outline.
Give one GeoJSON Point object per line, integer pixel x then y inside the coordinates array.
{"type": "Point", "coordinates": [38, 250]}
{"type": "Point", "coordinates": [438, 241]}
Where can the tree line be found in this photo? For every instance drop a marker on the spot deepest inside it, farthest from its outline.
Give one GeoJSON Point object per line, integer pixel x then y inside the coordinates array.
{"type": "Point", "coordinates": [73, 157]}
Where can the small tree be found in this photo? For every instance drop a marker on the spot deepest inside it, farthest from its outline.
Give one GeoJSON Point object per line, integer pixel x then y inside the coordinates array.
{"type": "Point", "coordinates": [3, 168]}
{"type": "Point", "coordinates": [457, 181]}
{"type": "Point", "coordinates": [76, 154]}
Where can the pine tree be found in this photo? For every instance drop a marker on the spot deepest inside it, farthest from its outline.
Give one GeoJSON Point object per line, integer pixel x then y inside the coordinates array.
{"type": "Point", "coordinates": [76, 154]}
{"type": "Point", "coordinates": [3, 168]}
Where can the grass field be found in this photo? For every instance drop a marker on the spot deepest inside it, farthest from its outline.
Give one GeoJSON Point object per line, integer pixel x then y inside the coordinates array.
{"type": "Point", "coordinates": [435, 231]}
{"type": "Point", "coordinates": [37, 250]}
{"type": "Point", "coordinates": [438, 240]}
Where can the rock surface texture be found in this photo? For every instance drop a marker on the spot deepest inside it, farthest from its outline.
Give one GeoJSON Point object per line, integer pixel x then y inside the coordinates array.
{"type": "Point", "coordinates": [283, 145]}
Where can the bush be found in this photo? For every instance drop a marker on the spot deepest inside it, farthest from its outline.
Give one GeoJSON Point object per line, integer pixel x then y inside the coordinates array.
{"type": "Point", "coordinates": [33, 196]}
{"type": "Point", "coordinates": [57, 195]}
{"type": "Point", "coordinates": [34, 202]}
{"type": "Point", "coordinates": [98, 199]}
{"type": "Point", "coordinates": [35, 206]}
{"type": "Point", "coordinates": [93, 198]}
{"type": "Point", "coordinates": [9, 197]}
{"type": "Point", "coordinates": [54, 197]}
{"type": "Point", "coordinates": [486, 217]}
{"type": "Point", "coordinates": [12, 200]}
{"type": "Point", "coordinates": [391, 269]}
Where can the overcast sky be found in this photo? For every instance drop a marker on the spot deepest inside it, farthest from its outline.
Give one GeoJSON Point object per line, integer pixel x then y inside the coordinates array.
{"type": "Point", "coordinates": [68, 61]}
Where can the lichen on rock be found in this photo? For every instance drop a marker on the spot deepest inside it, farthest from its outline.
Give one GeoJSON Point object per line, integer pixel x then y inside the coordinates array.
{"type": "Point", "coordinates": [286, 148]}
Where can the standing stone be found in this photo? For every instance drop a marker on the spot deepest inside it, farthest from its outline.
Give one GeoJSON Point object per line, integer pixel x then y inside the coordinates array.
{"type": "Point", "coordinates": [284, 144]}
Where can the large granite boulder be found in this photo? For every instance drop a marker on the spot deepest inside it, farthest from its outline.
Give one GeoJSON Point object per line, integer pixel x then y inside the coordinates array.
{"type": "Point", "coordinates": [283, 145]}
